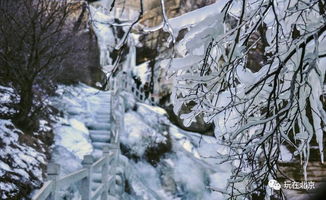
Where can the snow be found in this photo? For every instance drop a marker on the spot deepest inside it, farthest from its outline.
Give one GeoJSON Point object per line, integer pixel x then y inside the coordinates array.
{"type": "Point", "coordinates": [181, 63]}
{"type": "Point", "coordinates": [106, 3]}
{"type": "Point", "coordinates": [5, 167]}
{"type": "Point", "coordinates": [17, 161]}
{"type": "Point", "coordinates": [101, 28]}
{"type": "Point", "coordinates": [191, 153]}
{"type": "Point", "coordinates": [73, 140]}
{"type": "Point", "coordinates": [139, 135]}
{"type": "Point", "coordinates": [193, 183]}
{"type": "Point", "coordinates": [78, 125]}
{"type": "Point", "coordinates": [142, 71]}
{"type": "Point", "coordinates": [7, 96]}
{"type": "Point", "coordinates": [44, 126]}
{"type": "Point", "coordinates": [146, 127]}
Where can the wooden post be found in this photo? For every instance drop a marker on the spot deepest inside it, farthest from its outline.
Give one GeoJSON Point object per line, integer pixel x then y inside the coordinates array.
{"type": "Point", "coordinates": [53, 175]}
{"type": "Point", "coordinates": [105, 173]}
{"type": "Point", "coordinates": [85, 189]}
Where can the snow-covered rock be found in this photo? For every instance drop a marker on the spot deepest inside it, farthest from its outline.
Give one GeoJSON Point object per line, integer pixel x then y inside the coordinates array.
{"type": "Point", "coordinates": [185, 170]}
{"type": "Point", "coordinates": [20, 164]}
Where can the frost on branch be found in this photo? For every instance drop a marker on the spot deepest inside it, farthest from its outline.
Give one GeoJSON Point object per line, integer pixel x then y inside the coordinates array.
{"type": "Point", "coordinates": [256, 112]}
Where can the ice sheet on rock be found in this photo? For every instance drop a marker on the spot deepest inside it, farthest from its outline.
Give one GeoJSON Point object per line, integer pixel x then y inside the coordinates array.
{"type": "Point", "coordinates": [152, 114]}
{"type": "Point", "coordinates": [142, 71]}
{"type": "Point", "coordinates": [152, 177]}
{"type": "Point", "coordinates": [191, 153]}
{"type": "Point", "coordinates": [139, 135]}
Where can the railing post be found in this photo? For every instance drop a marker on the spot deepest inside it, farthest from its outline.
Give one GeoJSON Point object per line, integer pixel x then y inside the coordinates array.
{"type": "Point", "coordinates": [113, 147]}
{"type": "Point", "coordinates": [86, 182]}
{"type": "Point", "coordinates": [105, 173]}
{"type": "Point", "coordinates": [53, 175]}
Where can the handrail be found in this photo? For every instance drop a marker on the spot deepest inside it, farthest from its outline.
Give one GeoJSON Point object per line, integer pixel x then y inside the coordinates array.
{"type": "Point", "coordinates": [55, 183]}
{"type": "Point", "coordinates": [99, 162]}
{"type": "Point", "coordinates": [44, 192]}
{"type": "Point", "coordinates": [98, 192]}
{"type": "Point", "coordinates": [72, 178]}
{"type": "Point", "coordinates": [128, 84]}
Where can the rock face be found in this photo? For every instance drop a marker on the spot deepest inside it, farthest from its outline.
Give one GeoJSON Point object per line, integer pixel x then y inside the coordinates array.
{"type": "Point", "coordinates": [84, 64]}
{"type": "Point", "coordinates": [153, 43]}
{"type": "Point", "coordinates": [152, 17]}
{"type": "Point", "coordinates": [154, 46]}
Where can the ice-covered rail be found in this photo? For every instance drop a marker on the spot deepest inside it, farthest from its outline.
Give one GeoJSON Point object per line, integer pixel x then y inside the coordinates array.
{"type": "Point", "coordinates": [127, 83]}
{"type": "Point", "coordinates": [51, 189]}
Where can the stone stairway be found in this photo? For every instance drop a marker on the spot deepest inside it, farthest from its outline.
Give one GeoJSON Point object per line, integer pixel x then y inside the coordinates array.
{"type": "Point", "coordinates": [100, 132]}
{"type": "Point", "coordinates": [99, 129]}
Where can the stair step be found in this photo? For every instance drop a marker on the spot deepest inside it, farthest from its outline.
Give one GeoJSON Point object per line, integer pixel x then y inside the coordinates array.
{"type": "Point", "coordinates": [105, 103]}
{"type": "Point", "coordinates": [99, 132]}
{"type": "Point", "coordinates": [100, 110]}
{"type": "Point", "coordinates": [104, 111]}
{"type": "Point", "coordinates": [95, 185]}
{"type": "Point", "coordinates": [98, 126]}
{"type": "Point", "coordinates": [99, 145]}
{"type": "Point", "coordinates": [104, 96]}
{"type": "Point", "coordinates": [101, 116]}
{"type": "Point", "coordinates": [103, 119]}
{"type": "Point", "coordinates": [97, 177]}
{"type": "Point", "coordinates": [100, 138]}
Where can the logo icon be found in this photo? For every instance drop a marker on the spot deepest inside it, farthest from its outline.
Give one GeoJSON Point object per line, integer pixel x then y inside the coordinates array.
{"type": "Point", "coordinates": [274, 184]}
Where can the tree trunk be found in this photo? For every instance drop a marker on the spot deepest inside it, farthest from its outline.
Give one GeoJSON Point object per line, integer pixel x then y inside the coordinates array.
{"type": "Point", "coordinates": [22, 119]}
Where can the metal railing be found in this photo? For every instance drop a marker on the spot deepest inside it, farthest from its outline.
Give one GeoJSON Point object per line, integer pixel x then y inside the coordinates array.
{"type": "Point", "coordinates": [86, 176]}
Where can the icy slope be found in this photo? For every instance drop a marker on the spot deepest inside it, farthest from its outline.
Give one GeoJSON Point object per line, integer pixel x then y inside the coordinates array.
{"type": "Point", "coordinates": [22, 157]}
{"type": "Point", "coordinates": [185, 169]}
{"type": "Point", "coordinates": [158, 161]}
